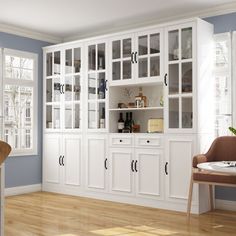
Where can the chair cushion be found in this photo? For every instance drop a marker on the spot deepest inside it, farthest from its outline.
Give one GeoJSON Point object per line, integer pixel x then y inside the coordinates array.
{"type": "Point", "coordinates": [216, 178]}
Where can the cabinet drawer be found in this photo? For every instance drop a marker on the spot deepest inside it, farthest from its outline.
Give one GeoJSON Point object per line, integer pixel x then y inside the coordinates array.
{"type": "Point", "coordinates": [121, 141]}
{"type": "Point", "coordinates": [148, 141]}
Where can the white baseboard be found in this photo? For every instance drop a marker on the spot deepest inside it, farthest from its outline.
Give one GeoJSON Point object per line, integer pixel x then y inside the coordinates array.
{"type": "Point", "coordinates": [23, 189]}
{"type": "Point", "coordinates": [225, 205]}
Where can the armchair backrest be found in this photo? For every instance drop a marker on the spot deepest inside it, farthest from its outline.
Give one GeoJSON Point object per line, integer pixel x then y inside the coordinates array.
{"type": "Point", "coordinates": [222, 149]}
{"type": "Point", "coordinates": [5, 149]}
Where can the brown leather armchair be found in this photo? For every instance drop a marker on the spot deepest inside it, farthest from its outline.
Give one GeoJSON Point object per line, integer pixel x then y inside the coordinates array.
{"type": "Point", "coordinates": [222, 149]}
{"type": "Point", "coordinates": [5, 149]}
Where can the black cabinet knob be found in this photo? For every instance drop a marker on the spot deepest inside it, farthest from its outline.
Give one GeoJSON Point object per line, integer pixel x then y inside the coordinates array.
{"type": "Point", "coordinates": [120, 140]}
{"type": "Point", "coordinates": [148, 141]}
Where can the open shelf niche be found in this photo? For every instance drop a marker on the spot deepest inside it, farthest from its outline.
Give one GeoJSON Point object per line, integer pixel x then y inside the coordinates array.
{"type": "Point", "coordinates": [125, 95]}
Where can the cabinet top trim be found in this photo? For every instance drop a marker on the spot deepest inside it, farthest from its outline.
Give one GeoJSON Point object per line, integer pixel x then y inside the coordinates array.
{"type": "Point", "coordinates": [135, 30]}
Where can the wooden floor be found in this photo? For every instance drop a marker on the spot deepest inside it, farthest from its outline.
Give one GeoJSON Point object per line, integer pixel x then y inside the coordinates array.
{"type": "Point", "coordinates": [50, 214]}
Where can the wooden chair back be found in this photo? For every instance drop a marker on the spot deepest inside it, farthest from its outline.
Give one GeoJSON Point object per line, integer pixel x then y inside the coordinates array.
{"type": "Point", "coordinates": [5, 149]}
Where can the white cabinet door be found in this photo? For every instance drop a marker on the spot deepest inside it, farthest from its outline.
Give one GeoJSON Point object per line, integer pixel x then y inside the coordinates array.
{"type": "Point", "coordinates": [149, 172]}
{"type": "Point", "coordinates": [96, 160]}
{"type": "Point", "coordinates": [121, 171]}
{"type": "Point", "coordinates": [178, 166]}
{"type": "Point", "coordinates": [52, 158]}
{"type": "Point", "coordinates": [72, 159]}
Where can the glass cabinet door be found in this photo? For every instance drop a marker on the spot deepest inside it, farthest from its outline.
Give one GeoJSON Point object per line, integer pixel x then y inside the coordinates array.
{"type": "Point", "coordinates": [122, 59]}
{"type": "Point", "coordinates": [96, 87]}
{"type": "Point", "coordinates": [148, 55]}
{"type": "Point", "coordinates": [72, 88]}
{"type": "Point", "coordinates": [180, 78]}
{"type": "Point", "coordinates": [53, 87]}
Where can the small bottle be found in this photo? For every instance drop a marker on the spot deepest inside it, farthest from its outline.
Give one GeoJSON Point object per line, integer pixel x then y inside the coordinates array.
{"type": "Point", "coordinates": [121, 124]}
{"type": "Point", "coordinates": [101, 92]}
{"type": "Point", "coordinates": [102, 119]}
{"type": "Point", "coordinates": [127, 127]}
{"type": "Point", "coordinates": [131, 122]}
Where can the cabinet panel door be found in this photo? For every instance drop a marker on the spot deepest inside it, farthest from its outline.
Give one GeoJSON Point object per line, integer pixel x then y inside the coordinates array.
{"type": "Point", "coordinates": [149, 172]}
{"type": "Point", "coordinates": [52, 154]}
{"type": "Point", "coordinates": [180, 151]}
{"type": "Point", "coordinates": [96, 156]}
{"type": "Point", "coordinates": [121, 174]}
{"type": "Point", "coordinates": [72, 159]}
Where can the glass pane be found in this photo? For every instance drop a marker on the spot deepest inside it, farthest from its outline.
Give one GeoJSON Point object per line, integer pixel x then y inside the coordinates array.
{"type": "Point", "coordinates": [173, 113]}
{"type": "Point", "coordinates": [91, 116]}
{"type": "Point", "coordinates": [116, 49]}
{"type": "Point", "coordinates": [68, 116]}
{"type": "Point", "coordinates": [127, 69]}
{"type": "Point", "coordinates": [68, 88]}
{"type": "Point", "coordinates": [77, 60]}
{"type": "Point", "coordinates": [27, 63]}
{"type": "Point", "coordinates": [26, 138]}
{"type": "Point", "coordinates": [92, 86]}
{"type": "Point", "coordinates": [116, 70]}
{"type": "Point", "coordinates": [173, 78]}
{"type": "Point", "coordinates": [187, 77]}
{"type": "Point", "coordinates": [49, 90]}
{"type": "Point", "coordinates": [187, 113]}
{"type": "Point", "coordinates": [154, 66]}
{"type": "Point", "coordinates": [57, 63]}
{"type": "Point", "coordinates": [101, 57]}
{"type": "Point", "coordinates": [101, 86]}
{"type": "Point", "coordinates": [49, 64]}
{"type": "Point", "coordinates": [57, 89]}
{"type": "Point", "coordinates": [56, 117]}
{"type": "Point", "coordinates": [77, 116]}
{"type": "Point", "coordinates": [186, 41]}
{"type": "Point", "coordinates": [49, 116]}
{"type": "Point", "coordinates": [13, 61]}
{"type": "Point", "coordinates": [77, 88]}
{"type": "Point", "coordinates": [142, 45]}
{"type": "Point", "coordinates": [92, 57]}
{"type": "Point", "coordinates": [101, 115]}
{"type": "Point", "coordinates": [142, 67]}
{"type": "Point", "coordinates": [26, 74]}
{"type": "Point", "coordinates": [127, 48]}
{"type": "Point", "coordinates": [154, 43]}
{"type": "Point", "coordinates": [68, 61]}
{"type": "Point", "coordinates": [173, 45]}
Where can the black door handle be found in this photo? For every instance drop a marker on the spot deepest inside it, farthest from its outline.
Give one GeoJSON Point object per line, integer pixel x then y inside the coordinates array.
{"type": "Point", "coordinates": [165, 79]}
{"type": "Point", "coordinates": [132, 57]}
{"type": "Point", "coordinates": [63, 92]}
{"type": "Point", "coordinates": [63, 160]}
{"type": "Point", "coordinates": [132, 166]}
{"type": "Point", "coordinates": [135, 57]}
{"type": "Point", "coordinates": [105, 163]}
{"type": "Point", "coordinates": [60, 160]}
{"type": "Point", "coordinates": [135, 166]}
{"type": "Point", "coordinates": [166, 165]}
{"type": "Point", "coordinates": [61, 89]}
{"type": "Point", "coordinates": [106, 84]}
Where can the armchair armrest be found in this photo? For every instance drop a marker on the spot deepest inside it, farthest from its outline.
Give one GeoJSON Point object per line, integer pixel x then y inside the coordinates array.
{"type": "Point", "coordinates": [199, 159]}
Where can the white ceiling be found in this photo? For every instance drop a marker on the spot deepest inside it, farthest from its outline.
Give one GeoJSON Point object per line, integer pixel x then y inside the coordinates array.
{"type": "Point", "coordinates": [64, 19]}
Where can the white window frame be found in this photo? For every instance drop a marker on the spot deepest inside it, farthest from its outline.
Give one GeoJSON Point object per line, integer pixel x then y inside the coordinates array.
{"type": "Point", "coordinates": [29, 83]}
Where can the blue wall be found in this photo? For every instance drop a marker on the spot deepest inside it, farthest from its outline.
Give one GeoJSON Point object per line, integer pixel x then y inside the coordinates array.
{"type": "Point", "coordinates": [222, 24]}
{"type": "Point", "coordinates": [26, 170]}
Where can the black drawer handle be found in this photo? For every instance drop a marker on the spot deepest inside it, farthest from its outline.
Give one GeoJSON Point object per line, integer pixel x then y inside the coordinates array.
{"type": "Point", "coordinates": [166, 165]}
{"type": "Point", "coordinates": [120, 140]}
{"type": "Point", "coordinates": [60, 160]}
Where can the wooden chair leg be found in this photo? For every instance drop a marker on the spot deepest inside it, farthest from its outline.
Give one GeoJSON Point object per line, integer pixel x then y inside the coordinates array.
{"type": "Point", "coordinates": [211, 197]}
{"type": "Point", "coordinates": [190, 197]}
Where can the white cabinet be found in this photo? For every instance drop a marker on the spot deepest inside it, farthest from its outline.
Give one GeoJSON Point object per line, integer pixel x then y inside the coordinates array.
{"type": "Point", "coordinates": [96, 162]}
{"type": "Point", "coordinates": [136, 58]}
{"type": "Point", "coordinates": [179, 152]}
{"type": "Point", "coordinates": [62, 161]}
{"type": "Point", "coordinates": [149, 170]}
{"type": "Point", "coordinates": [121, 163]}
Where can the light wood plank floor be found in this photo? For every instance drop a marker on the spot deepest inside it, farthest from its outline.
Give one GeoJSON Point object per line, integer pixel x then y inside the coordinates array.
{"type": "Point", "coordinates": [48, 214]}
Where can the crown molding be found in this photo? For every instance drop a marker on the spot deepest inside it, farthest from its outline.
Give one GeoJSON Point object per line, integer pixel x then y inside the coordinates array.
{"type": "Point", "coordinates": [215, 11]}
{"type": "Point", "coordinates": [28, 33]}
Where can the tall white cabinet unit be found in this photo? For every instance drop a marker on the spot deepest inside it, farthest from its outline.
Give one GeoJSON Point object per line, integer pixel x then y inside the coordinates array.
{"type": "Point", "coordinates": [86, 80]}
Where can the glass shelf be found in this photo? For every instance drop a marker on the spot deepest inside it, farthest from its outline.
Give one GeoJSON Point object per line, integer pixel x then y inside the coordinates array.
{"type": "Point", "coordinates": [136, 109]}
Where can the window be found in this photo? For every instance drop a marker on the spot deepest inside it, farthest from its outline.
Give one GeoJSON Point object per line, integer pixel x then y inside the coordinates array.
{"type": "Point", "coordinates": [223, 84]}
{"type": "Point", "coordinates": [20, 101]}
